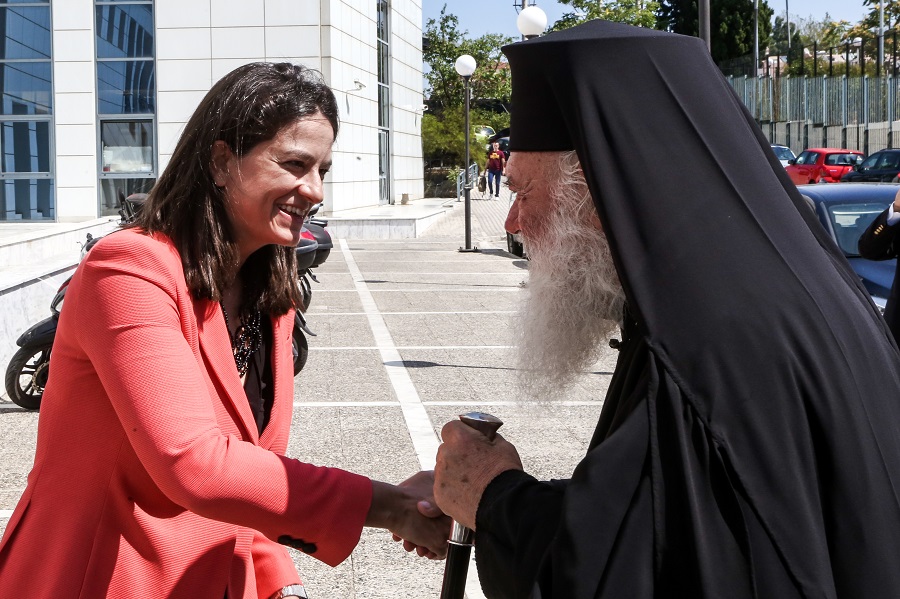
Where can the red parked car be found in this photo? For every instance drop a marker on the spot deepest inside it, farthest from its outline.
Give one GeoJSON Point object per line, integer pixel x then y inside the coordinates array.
{"type": "Point", "coordinates": [818, 165]}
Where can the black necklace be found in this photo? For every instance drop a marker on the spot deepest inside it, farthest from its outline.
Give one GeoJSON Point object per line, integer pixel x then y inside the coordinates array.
{"type": "Point", "coordinates": [246, 339]}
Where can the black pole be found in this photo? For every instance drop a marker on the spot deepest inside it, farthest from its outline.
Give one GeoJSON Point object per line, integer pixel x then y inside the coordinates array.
{"type": "Point", "coordinates": [831, 62]}
{"type": "Point", "coordinates": [894, 52]}
{"type": "Point", "coordinates": [703, 17]}
{"type": "Point", "coordinates": [468, 186]}
{"type": "Point", "coordinates": [847, 60]}
{"type": "Point", "coordinates": [815, 58]}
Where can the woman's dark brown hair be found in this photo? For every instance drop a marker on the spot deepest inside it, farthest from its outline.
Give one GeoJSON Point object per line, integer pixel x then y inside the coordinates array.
{"type": "Point", "coordinates": [249, 105]}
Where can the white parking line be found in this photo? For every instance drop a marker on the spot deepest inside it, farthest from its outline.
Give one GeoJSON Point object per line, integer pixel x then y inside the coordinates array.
{"type": "Point", "coordinates": [421, 430]}
{"type": "Point", "coordinates": [5, 514]}
{"type": "Point", "coordinates": [491, 288]}
{"type": "Point", "coordinates": [317, 313]}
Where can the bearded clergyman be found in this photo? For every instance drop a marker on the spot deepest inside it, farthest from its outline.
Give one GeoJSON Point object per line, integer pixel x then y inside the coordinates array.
{"type": "Point", "coordinates": [749, 442]}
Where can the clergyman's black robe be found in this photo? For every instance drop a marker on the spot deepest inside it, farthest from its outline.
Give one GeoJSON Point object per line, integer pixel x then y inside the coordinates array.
{"type": "Point", "coordinates": [749, 445]}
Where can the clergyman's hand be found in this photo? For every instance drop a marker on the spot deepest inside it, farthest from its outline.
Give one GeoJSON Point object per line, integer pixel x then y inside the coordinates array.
{"type": "Point", "coordinates": [466, 462]}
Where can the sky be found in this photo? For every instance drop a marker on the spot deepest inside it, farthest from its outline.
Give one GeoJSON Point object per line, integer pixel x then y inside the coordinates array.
{"type": "Point", "coordinates": [479, 17]}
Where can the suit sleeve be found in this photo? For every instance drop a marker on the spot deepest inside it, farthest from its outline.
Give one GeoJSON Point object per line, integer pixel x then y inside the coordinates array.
{"type": "Point", "coordinates": [132, 329]}
{"type": "Point", "coordinates": [517, 518]}
{"type": "Point", "coordinates": [877, 241]}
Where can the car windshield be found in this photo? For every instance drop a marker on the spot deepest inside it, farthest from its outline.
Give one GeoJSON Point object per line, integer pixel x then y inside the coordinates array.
{"type": "Point", "coordinates": [783, 153]}
{"type": "Point", "coordinates": [851, 220]}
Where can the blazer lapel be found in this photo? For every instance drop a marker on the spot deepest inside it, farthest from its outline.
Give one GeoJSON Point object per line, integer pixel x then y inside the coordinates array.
{"type": "Point", "coordinates": [216, 347]}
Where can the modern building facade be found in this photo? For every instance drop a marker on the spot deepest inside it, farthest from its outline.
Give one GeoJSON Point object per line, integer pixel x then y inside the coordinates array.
{"type": "Point", "coordinates": [95, 93]}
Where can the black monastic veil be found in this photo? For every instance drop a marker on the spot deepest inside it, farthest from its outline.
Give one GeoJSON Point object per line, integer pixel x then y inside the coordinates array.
{"type": "Point", "coordinates": [749, 445]}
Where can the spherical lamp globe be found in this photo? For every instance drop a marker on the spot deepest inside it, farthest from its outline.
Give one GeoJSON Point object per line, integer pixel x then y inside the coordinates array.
{"type": "Point", "coordinates": [532, 21]}
{"type": "Point", "coordinates": [465, 65]}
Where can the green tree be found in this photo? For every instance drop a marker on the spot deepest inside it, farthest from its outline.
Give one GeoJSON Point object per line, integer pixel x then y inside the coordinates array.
{"type": "Point", "coordinates": [633, 12]}
{"type": "Point", "coordinates": [443, 43]}
{"type": "Point", "coordinates": [730, 23]}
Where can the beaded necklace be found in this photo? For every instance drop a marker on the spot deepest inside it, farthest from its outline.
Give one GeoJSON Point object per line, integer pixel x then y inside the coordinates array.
{"type": "Point", "coordinates": [246, 339]}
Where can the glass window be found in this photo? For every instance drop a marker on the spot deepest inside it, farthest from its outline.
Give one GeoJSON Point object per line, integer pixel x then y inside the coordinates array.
{"type": "Point", "coordinates": [127, 147]}
{"type": "Point", "coordinates": [26, 88]}
{"type": "Point", "coordinates": [113, 191]}
{"type": "Point", "coordinates": [26, 199]}
{"type": "Point", "coordinates": [26, 32]}
{"type": "Point", "coordinates": [126, 87]}
{"type": "Point", "coordinates": [807, 158]}
{"type": "Point", "coordinates": [870, 161]}
{"type": "Point", "coordinates": [384, 106]}
{"type": "Point", "coordinates": [26, 2]}
{"type": "Point", "coordinates": [124, 31]}
{"type": "Point", "coordinates": [850, 221]}
{"type": "Point", "coordinates": [26, 146]}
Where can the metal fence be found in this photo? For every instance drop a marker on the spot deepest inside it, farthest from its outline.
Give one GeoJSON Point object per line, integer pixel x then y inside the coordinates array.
{"type": "Point", "coordinates": [861, 113]}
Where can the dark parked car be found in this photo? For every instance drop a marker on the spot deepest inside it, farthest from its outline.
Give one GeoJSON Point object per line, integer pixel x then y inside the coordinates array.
{"type": "Point", "coordinates": [846, 211]}
{"type": "Point", "coordinates": [883, 166]}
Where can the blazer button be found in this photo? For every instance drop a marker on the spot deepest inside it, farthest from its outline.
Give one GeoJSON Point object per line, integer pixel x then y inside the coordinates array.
{"type": "Point", "coordinates": [298, 544]}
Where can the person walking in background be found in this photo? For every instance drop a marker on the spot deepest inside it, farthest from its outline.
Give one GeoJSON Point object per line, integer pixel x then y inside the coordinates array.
{"type": "Point", "coordinates": [160, 467]}
{"type": "Point", "coordinates": [495, 168]}
{"type": "Point", "coordinates": [879, 242]}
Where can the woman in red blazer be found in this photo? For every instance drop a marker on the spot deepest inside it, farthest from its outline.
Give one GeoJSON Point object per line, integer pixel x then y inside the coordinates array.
{"type": "Point", "coordinates": [159, 469]}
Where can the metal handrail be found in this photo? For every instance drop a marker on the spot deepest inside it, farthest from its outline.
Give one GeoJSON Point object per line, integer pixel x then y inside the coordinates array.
{"type": "Point", "coordinates": [460, 179]}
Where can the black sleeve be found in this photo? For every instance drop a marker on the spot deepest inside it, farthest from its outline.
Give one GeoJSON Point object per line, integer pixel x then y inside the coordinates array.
{"type": "Point", "coordinates": [515, 524]}
{"type": "Point", "coordinates": [877, 242]}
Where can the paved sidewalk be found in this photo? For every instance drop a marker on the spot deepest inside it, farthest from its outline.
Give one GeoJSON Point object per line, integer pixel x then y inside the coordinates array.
{"type": "Point", "coordinates": [411, 333]}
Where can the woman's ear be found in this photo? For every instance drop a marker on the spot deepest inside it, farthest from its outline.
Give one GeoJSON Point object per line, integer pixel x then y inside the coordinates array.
{"type": "Point", "coordinates": [218, 164]}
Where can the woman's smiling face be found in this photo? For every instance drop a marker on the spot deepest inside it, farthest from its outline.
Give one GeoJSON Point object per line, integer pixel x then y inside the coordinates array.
{"type": "Point", "coordinates": [270, 190]}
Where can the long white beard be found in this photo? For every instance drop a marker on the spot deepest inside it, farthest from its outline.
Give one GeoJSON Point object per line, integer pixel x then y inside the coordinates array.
{"type": "Point", "coordinates": [574, 297]}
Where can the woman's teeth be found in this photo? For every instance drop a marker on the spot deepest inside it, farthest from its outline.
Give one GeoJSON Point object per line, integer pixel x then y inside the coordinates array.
{"type": "Point", "coordinates": [291, 210]}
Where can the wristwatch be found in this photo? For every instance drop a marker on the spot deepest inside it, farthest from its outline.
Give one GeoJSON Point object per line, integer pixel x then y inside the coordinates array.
{"type": "Point", "coordinates": [291, 590]}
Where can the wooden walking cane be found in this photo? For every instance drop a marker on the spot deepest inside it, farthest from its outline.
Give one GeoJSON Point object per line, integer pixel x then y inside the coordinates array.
{"type": "Point", "coordinates": [461, 538]}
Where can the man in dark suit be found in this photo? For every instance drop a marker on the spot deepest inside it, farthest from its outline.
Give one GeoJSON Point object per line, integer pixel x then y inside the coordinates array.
{"type": "Point", "coordinates": [879, 243]}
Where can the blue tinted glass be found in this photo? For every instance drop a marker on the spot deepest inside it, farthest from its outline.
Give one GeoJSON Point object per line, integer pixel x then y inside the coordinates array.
{"type": "Point", "coordinates": [25, 2]}
{"type": "Point", "coordinates": [26, 146]}
{"type": "Point", "coordinates": [124, 31]}
{"type": "Point", "coordinates": [26, 32]}
{"type": "Point", "coordinates": [26, 199]}
{"type": "Point", "coordinates": [126, 87]}
{"type": "Point", "coordinates": [25, 88]}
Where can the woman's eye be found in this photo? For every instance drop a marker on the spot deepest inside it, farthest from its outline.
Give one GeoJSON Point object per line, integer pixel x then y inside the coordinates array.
{"type": "Point", "coordinates": [323, 173]}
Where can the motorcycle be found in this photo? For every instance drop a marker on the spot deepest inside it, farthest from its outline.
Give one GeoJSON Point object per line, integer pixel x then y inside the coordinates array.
{"type": "Point", "coordinates": [313, 250]}
{"type": "Point", "coordinates": [29, 368]}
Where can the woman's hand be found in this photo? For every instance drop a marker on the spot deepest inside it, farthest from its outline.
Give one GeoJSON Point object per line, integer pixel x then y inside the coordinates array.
{"type": "Point", "coordinates": [409, 511]}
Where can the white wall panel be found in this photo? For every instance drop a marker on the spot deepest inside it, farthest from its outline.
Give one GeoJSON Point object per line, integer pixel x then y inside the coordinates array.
{"type": "Point", "coordinates": [281, 42]}
{"type": "Point", "coordinates": [76, 140]}
{"type": "Point", "coordinates": [76, 171]}
{"type": "Point", "coordinates": [75, 108]}
{"type": "Point", "coordinates": [292, 12]}
{"type": "Point", "coordinates": [238, 42]}
{"type": "Point", "coordinates": [181, 44]}
{"type": "Point", "coordinates": [184, 75]}
{"type": "Point", "coordinates": [237, 13]}
{"type": "Point", "coordinates": [177, 106]}
{"type": "Point", "coordinates": [176, 14]}
{"type": "Point", "coordinates": [74, 46]}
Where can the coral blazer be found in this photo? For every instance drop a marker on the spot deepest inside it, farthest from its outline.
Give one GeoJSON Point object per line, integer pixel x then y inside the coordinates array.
{"type": "Point", "coordinates": [149, 478]}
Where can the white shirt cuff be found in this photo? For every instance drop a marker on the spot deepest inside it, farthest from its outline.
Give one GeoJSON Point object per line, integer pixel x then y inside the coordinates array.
{"type": "Point", "coordinates": [892, 217]}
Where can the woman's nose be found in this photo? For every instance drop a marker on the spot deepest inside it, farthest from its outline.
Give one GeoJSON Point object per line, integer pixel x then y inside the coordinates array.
{"type": "Point", "coordinates": [512, 220]}
{"type": "Point", "coordinates": [312, 187]}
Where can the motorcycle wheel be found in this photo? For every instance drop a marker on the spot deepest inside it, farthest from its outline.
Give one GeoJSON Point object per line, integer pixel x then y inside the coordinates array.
{"type": "Point", "coordinates": [300, 349]}
{"type": "Point", "coordinates": [27, 375]}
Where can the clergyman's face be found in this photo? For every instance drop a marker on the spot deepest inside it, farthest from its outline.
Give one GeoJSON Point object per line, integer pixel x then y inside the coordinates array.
{"type": "Point", "coordinates": [574, 299]}
{"type": "Point", "coordinates": [533, 176]}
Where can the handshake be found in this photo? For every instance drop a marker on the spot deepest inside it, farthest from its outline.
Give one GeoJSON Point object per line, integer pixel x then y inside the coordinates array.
{"type": "Point", "coordinates": [418, 510]}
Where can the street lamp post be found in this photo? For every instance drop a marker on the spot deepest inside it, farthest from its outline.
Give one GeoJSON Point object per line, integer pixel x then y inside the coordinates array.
{"type": "Point", "coordinates": [465, 66]}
